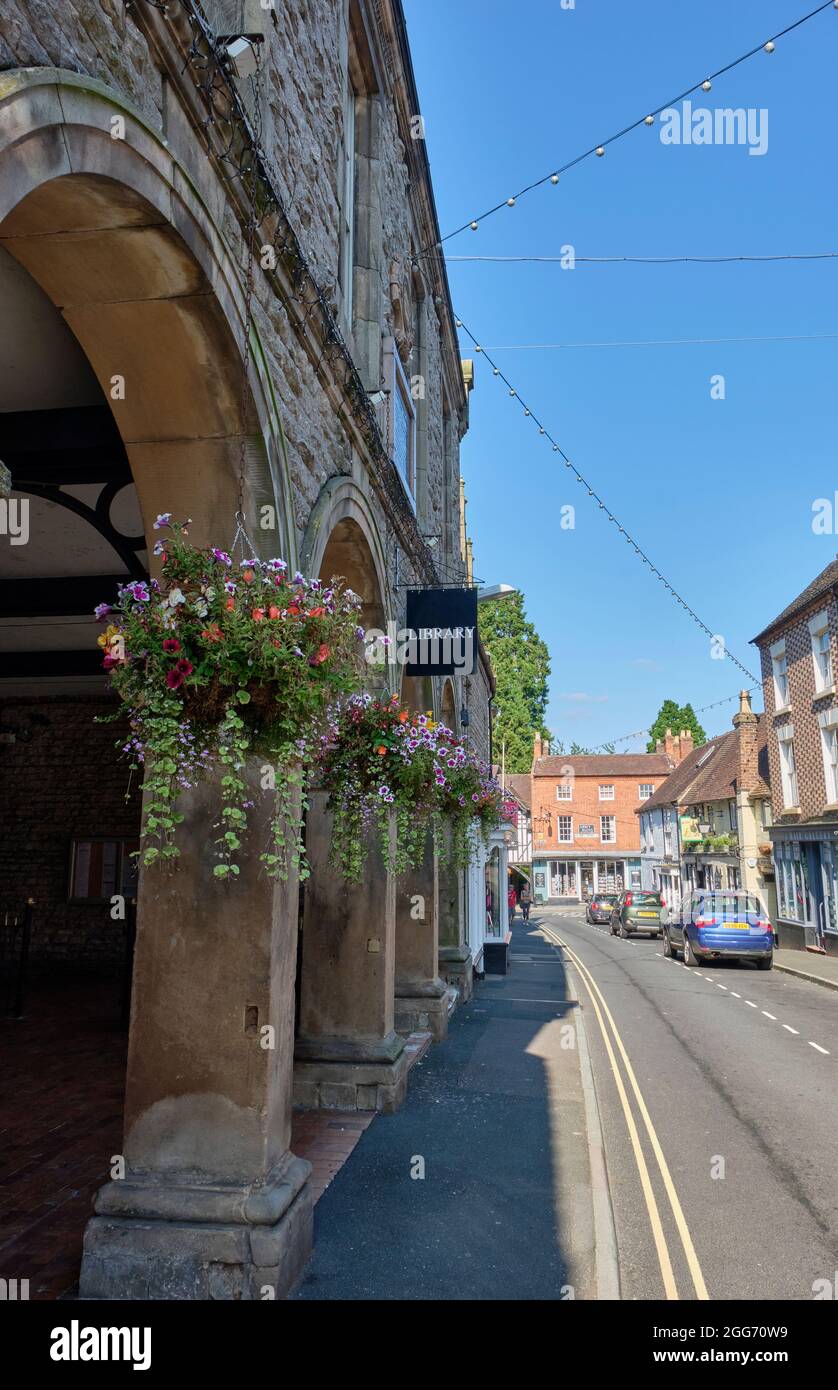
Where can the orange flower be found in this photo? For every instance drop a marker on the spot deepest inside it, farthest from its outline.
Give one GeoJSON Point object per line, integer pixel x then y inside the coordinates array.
{"type": "Point", "coordinates": [257, 615]}
{"type": "Point", "coordinates": [403, 716]}
{"type": "Point", "coordinates": [213, 633]}
{"type": "Point", "coordinates": [230, 604]}
{"type": "Point", "coordinates": [294, 611]}
{"type": "Point", "coordinates": [248, 576]}
{"type": "Point", "coordinates": [322, 653]}
{"type": "Point", "coordinates": [273, 611]}
{"type": "Point", "coordinates": [316, 612]}
{"type": "Point", "coordinates": [381, 751]}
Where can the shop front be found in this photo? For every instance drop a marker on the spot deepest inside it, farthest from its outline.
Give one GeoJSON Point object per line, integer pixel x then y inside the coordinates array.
{"type": "Point", "coordinates": [806, 867]}
{"type": "Point", "coordinates": [577, 880]}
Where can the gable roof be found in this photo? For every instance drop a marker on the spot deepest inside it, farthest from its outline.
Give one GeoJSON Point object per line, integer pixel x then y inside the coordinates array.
{"type": "Point", "coordinates": [825, 582]}
{"type": "Point", "coordinates": [519, 784]}
{"type": "Point", "coordinates": [605, 765]}
{"type": "Point", "coordinates": [717, 777]}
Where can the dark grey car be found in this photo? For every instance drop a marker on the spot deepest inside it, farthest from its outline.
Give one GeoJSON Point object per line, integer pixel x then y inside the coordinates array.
{"type": "Point", "coordinates": [600, 907]}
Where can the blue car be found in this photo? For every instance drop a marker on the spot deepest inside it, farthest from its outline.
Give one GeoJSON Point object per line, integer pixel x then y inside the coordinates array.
{"type": "Point", "coordinates": [721, 924]}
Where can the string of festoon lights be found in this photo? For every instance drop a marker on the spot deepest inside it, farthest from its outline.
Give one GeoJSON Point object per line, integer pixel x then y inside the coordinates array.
{"type": "Point", "coordinates": [648, 119]}
{"type": "Point", "coordinates": [545, 434]}
{"type": "Point", "coordinates": [640, 733]}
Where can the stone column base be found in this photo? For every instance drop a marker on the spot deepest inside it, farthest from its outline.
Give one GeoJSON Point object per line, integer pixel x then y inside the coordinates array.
{"type": "Point", "coordinates": [456, 968]}
{"type": "Point", "coordinates": [336, 1074]}
{"type": "Point", "coordinates": [167, 1240]}
{"type": "Point", "coordinates": [422, 1007]}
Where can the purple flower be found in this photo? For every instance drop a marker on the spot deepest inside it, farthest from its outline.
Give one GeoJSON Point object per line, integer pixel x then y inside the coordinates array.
{"type": "Point", "coordinates": [230, 586]}
{"type": "Point", "coordinates": [277, 565]}
{"type": "Point", "coordinates": [164, 519]}
{"type": "Point", "coordinates": [298, 578]}
{"type": "Point", "coordinates": [138, 591]}
{"type": "Point", "coordinates": [221, 556]}
{"type": "Point", "coordinates": [360, 634]}
{"type": "Point", "coordinates": [101, 611]}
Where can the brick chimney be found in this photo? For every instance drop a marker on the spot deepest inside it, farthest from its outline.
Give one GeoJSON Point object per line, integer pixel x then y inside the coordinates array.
{"type": "Point", "coordinates": [683, 745]}
{"type": "Point", "coordinates": [538, 748]}
{"type": "Point", "coordinates": [746, 724]}
{"type": "Point", "coordinates": [669, 744]}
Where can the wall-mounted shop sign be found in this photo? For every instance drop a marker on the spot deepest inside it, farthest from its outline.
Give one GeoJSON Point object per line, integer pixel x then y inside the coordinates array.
{"type": "Point", "coordinates": [585, 830]}
{"type": "Point", "coordinates": [690, 830]}
{"type": "Point", "coordinates": [440, 634]}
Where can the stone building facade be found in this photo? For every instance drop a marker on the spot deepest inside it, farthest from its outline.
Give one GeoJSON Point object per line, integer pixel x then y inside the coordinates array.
{"type": "Point", "coordinates": [798, 651]}
{"type": "Point", "coordinates": [217, 255]}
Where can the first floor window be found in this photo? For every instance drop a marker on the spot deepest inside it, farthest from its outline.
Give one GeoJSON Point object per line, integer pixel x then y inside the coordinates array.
{"type": "Point", "coordinates": [606, 791]}
{"type": "Point", "coordinates": [645, 790]}
{"type": "Point", "coordinates": [564, 791]}
{"type": "Point", "coordinates": [566, 829]}
{"type": "Point", "coordinates": [607, 829]}
{"type": "Point", "coordinates": [780, 671]}
{"type": "Point", "coordinates": [101, 868]}
{"type": "Point", "coordinates": [821, 651]}
{"type": "Point", "coordinates": [829, 740]}
{"type": "Point", "coordinates": [788, 766]}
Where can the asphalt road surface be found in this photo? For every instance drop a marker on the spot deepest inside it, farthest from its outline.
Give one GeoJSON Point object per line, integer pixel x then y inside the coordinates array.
{"type": "Point", "coordinates": [718, 1094]}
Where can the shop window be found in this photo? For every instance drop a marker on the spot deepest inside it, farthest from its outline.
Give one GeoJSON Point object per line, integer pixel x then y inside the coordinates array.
{"type": "Point", "coordinates": [101, 868]}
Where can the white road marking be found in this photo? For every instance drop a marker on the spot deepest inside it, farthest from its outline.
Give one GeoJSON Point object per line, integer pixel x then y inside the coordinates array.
{"type": "Point", "coordinates": [789, 1029]}
{"type": "Point", "coordinates": [773, 1017]}
{"type": "Point", "coordinates": [818, 1048]}
{"type": "Point", "coordinates": [735, 995]}
{"type": "Point", "coordinates": [750, 1005]}
{"type": "Point", "coordinates": [718, 986]}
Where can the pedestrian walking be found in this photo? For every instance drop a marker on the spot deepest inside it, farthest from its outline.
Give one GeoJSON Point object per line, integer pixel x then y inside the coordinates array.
{"type": "Point", "coordinates": [512, 899]}
{"type": "Point", "coordinates": [525, 901]}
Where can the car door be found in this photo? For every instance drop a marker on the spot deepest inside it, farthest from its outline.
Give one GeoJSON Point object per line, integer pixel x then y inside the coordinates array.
{"type": "Point", "coordinates": [678, 920]}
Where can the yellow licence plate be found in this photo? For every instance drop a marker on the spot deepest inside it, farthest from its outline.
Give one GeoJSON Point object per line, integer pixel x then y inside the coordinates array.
{"type": "Point", "coordinates": [736, 926]}
{"type": "Point", "coordinates": [647, 914]}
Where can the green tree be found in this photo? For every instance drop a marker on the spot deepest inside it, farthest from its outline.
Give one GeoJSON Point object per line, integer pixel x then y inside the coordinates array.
{"type": "Point", "coordinates": [521, 663]}
{"type": "Point", "coordinates": [675, 717]}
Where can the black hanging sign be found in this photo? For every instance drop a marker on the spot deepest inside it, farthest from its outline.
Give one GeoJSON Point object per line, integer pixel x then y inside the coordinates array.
{"type": "Point", "coordinates": [440, 637]}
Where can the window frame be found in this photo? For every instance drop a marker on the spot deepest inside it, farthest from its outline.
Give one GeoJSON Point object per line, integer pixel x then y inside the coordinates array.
{"type": "Point", "coordinates": [607, 787]}
{"type": "Point", "coordinates": [397, 383]}
{"type": "Point", "coordinates": [610, 839]}
{"type": "Point", "coordinates": [564, 839]}
{"type": "Point", "coordinates": [780, 671]}
{"type": "Point", "coordinates": [818, 630]}
{"type": "Point", "coordinates": [125, 844]}
{"type": "Point", "coordinates": [649, 794]}
{"type": "Point", "coordinates": [561, 787]}
{"type": "Point", "coordinates": [788, 766]}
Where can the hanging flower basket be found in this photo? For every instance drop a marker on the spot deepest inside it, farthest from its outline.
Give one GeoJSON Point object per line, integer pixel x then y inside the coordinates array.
{"type": "Point", "coordinates": [220, 660]}
{"type": "Point", "coordinates": [376, 756]}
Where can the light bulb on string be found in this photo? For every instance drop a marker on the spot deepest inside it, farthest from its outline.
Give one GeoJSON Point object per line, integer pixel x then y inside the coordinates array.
{"type": "Point", "coordinates": [769, 47]}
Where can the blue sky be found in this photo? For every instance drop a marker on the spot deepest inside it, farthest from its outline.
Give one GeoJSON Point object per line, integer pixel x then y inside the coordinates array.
{"type": "Point", "coordinates": [719, 492]}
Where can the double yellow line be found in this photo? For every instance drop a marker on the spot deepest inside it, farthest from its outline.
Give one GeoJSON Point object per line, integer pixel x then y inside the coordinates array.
{"type": "Point", "coordinates": [655, 1221]}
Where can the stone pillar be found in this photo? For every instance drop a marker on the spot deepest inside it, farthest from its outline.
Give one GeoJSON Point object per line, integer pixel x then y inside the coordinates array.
{"type": "Point", "coordinates": [348, 1055]}
{"type": "Point", "coordinates": [455, 962]}
{"type": "Point", "coordinates": [213, 1204]}
{"type": "Point", "coordinates": [421, 996]}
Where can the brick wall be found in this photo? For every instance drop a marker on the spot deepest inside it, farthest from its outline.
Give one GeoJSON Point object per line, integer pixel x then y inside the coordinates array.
{"type": "Point", "coordinates": [805, 706]}
{"type": "Point", "coordinates": [586, 807]}
{"type": "Point", "coordinates": [67, 781]}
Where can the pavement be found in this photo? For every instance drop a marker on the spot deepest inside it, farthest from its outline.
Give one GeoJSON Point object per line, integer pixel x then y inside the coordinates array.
{"type": "Point", "coordinates": [716, 1089]}
{"type": "Point", "coordinates": [808, 965]}
{"type": "Point", "coordinates": [489, 1183]}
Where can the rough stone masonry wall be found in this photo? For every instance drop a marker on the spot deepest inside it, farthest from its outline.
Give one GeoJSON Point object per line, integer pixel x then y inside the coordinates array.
{"type": "Point", "coordinates": [66, 782]}
{"type": "Point", "coordinates": [304, 67]}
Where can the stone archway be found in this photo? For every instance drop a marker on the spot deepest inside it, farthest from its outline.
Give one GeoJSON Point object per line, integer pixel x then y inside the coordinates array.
{"type": "Point", "coordinates": [211, 1203]}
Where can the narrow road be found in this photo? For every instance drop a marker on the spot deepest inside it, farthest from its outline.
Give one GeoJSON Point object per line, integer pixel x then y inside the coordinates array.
{"type": "Point", "coordinates": [716, 1089]}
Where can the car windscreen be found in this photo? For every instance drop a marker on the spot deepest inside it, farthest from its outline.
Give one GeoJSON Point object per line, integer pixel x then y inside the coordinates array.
{"type": "Point", "coordinates": [730, 907]}
{"type": "Point", "coordinates": [653, 898]}
{"type": "Point", "coordinates": [605, 897]}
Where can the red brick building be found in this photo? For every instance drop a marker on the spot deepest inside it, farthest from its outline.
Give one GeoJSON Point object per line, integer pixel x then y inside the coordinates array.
{"type": "Point", "coordinates": [586, 835]}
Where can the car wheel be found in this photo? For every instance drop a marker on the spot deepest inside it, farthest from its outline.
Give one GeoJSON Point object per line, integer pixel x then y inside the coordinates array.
{"type": "Point", "coordinates": [613, 927]}
{"type": "Point", "coordinates": [667, 946]}
{"type": "Point", "coordinates": [767, 963]}
{"type": "Point", "coordinates": [690, 957]}
{"type": "Point", "coordinates": [624, 931]}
